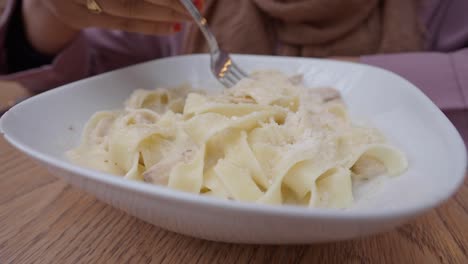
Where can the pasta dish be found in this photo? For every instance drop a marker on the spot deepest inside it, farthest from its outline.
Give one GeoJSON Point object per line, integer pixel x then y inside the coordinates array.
{"type": "Point", "coordinates": [269, 139]}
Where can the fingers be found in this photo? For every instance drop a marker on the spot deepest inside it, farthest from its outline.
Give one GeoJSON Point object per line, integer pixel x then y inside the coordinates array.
{"type": "Point", "coordinates": [107, 21]}
{"type": "Point", "coordinates": [142, 10]}
{"type": "Point", "coordinates": [150, 10]}
{"type": "Point", "coordinates": [172, 4]}
{"type": "Point", "coordinates": [138, 26]}
{"type": "Point", "coordinates": [138, 16]}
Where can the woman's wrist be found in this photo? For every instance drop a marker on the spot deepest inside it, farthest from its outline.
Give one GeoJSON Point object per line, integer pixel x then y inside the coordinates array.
{"type": "Point", "coordinates": [46, 33]}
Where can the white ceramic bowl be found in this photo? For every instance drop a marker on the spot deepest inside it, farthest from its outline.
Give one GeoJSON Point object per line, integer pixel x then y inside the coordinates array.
{"type": "Point", "coordinates": [45, 126]}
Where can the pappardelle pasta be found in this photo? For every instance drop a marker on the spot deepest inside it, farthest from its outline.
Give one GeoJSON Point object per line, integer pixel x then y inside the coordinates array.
{"type": "Point", "coordinates": [268, 140]}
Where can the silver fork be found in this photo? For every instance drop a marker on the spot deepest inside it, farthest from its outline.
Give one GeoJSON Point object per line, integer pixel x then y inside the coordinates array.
{"type": "Point", "coordinates": [222, 66]}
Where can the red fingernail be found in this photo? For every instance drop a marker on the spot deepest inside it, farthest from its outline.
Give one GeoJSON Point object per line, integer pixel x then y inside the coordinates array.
{"type": "Point", "coordinates": [198, 4]}
{"type": "Point", "coordinates": [177, 27]}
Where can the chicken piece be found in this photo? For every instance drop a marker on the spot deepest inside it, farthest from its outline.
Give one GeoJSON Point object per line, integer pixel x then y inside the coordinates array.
{"type": "Point", "coordinates": [296, 79]}
{"type": "Point", "coordinates": [159, 173]}
{"type": "Point", "coordinates": [327, 94]}
{"type": "Point", "coordinates": [368, 167]}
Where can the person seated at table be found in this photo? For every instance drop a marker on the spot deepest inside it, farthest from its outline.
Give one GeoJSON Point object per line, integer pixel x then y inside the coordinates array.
{"type": "Point", "coordinates": [47, 43]}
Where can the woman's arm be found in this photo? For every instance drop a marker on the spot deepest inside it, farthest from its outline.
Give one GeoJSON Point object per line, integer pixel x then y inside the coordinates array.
{"type": "Point", "coordinates": [10, 94]}
{"type": "Point", "coordinates": [90, 52]}
{"type": "Point", "coordinates": [52, 24]}
{"type": "Point", "coordinates": [443, 77]}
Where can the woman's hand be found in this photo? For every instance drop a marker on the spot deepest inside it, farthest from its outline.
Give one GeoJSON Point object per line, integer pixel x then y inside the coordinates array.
{"type": "Point", "coordinates": [10, 94]}
{"type": "Point", "coordinates": [52, 24]}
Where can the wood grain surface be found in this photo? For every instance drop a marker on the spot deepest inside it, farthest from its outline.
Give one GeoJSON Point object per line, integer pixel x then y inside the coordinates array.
{"type": "Point", "coordinates": [43, 220]}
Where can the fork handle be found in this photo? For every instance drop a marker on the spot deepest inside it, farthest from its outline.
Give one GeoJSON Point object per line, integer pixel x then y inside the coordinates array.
{"type": "Point", "coordinates": [202, 24]}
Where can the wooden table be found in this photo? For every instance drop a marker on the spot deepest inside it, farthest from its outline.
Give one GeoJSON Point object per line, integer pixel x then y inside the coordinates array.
{"type": "Point", "coordinates": [43, 220]}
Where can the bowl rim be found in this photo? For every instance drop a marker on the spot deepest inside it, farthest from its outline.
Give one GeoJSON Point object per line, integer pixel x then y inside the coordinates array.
{"type": "Point", "coordinates": [162, 192]}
